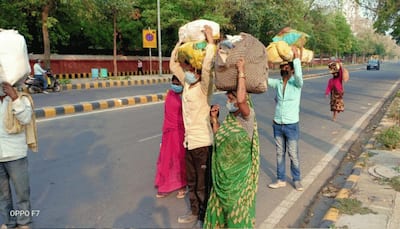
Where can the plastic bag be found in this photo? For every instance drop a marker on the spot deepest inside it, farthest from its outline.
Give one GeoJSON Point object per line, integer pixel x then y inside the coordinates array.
{"type": "Point", "coordinates": [193, 53]}
{"type": "Point", "coordinates": [193, 31]}
{"type": "Point", "coordinates": [14, 60]}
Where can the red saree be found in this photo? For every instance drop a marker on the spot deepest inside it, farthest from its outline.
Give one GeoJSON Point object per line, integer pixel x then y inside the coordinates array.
{"type": "Point", "coordinates": [171, 167]}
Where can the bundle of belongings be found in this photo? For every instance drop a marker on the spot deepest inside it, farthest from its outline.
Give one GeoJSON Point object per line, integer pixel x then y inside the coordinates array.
{"type": "Point", "coordinates": [279, 50]}
{"type": "Point", "coordinates": [255, 56]}
{"type": "Point", "coordinates": [193, 48]}
{"type": "Point", "coordinates": [14, 65]}
{"type": "Point", "coordinates": [14, 61]}
{"type": "Point", "coordinates": [337, 67]}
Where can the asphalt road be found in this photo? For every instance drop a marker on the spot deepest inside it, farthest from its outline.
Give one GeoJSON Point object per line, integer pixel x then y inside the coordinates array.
{"type": "Point", "coordinates": [97, 169]}
{"type": "Point", "coordinates": [88, 95]}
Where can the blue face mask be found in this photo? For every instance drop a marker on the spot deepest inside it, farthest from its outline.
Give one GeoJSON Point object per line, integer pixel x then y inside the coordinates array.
{"type": "Point", "coordinates": [190, 78]}
{"type": "Point", "coordinates": [176, 88]}
{"type": "Point", "coordinates": [231, 107]}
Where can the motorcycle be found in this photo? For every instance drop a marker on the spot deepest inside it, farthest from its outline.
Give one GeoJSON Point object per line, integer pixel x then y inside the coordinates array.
{"type": "Point", "coordinates": [35, 85]}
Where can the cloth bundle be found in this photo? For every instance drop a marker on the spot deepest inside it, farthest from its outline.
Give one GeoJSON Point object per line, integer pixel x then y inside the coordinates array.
{"type": "Point", "coordinates": [193, 31]}
{"type": "Point", "coordinates": [194, 46]}
{"type": "Point", "coordinates": [256, 69]}
{"type": "Point", "coordinates": [291, 37]}
{"type": "Point", "coordinates": [14, 61]}
{"type": "Point", "coordinates": [279, 50]}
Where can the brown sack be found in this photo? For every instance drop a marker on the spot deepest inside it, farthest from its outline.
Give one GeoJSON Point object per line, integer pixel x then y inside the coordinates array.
{"type": "Point", "coordinates": [256, 69]}
{"type": "Point", "coordinates": [345, 75]}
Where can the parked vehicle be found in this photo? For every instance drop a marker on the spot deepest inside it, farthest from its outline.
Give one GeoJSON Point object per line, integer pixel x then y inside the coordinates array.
{"type": "Point", "coordinates": [373, 64]}
{"type": "Point", "coordinates": [35, 85]}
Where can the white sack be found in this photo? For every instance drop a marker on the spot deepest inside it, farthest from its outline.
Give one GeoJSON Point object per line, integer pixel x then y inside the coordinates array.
{"type": "Point", "coordinates": [14, 60]}
{"type": "Point", "coordinates": [193, 31]}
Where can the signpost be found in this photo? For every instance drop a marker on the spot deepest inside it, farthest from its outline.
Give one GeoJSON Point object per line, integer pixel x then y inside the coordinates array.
{"type": "Point", "coordinates": [149, 41]}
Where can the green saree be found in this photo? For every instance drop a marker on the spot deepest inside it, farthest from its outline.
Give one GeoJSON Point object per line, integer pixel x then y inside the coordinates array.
{"type": "Point", "coordinates": [235, 171]}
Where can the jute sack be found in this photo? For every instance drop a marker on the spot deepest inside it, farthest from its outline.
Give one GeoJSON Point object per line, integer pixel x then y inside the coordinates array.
{"type": "Point", "coordinates": [345, 73]}
{"type": "Point", "coordinates": [256, 69]}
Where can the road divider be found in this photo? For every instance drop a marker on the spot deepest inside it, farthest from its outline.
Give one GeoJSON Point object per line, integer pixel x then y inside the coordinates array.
{"type": "Point", "coordinates": [111, 83]}
{"type": "Point", "coordinates": [49, 112]}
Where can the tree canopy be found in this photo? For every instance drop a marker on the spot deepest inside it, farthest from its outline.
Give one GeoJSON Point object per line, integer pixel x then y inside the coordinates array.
{"type": "Point", "coordinates": [101, 26]}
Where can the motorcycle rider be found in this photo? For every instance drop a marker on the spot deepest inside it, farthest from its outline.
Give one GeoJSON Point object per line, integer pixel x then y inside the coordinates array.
{"type": "Point", "coordinates": [39, 73]}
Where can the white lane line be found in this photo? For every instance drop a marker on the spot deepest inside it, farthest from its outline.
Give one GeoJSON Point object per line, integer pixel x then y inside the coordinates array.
{"type": "Point", "coordinates": [280, 211]}
{"type": "Point", "coordinates": [149, 138]}
{"type": "Point", "coordinates": [96, 112]}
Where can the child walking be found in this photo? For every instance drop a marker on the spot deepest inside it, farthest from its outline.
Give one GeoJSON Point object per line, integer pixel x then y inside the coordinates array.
{"type": "Point", "coordinates": [335, 89]}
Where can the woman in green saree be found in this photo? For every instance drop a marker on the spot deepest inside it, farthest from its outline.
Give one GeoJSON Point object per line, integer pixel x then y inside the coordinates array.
{"type": "Point", "coordinates": [235, 162]}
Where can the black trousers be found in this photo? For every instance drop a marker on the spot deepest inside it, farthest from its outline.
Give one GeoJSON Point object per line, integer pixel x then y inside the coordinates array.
{"type": "Point", "coordinates": [198, 170]}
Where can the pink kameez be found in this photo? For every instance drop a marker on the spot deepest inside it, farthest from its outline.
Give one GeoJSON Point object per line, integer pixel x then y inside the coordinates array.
{"type": "Point", "coordinates": [171, 167]}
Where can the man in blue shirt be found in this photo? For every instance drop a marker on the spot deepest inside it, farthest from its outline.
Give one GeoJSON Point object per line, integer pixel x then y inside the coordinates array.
{"type": "Point", "coordinates": [286, 120]}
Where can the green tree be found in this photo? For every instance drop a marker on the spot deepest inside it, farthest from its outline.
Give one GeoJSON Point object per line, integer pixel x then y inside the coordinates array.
{"type": "Point", "coordinates": [387, 17]}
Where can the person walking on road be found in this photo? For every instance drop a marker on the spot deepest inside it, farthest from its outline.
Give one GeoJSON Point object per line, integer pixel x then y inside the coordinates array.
{"type": "Point", "coordinates": [140, 66]}
{"type": "Point", "coordinates": [235, 162]}
{"type": "Point", "coordinates": [198, 133]}
{"type": "Point", "coordinates": [40, 73]}
{"type": "Point", "coordinates": [171, 167]}
{"type": "Point", "coordinates": [335, 89]}
{"type": "Point", "coordinates": [16, 114]}
{"type": "Point", "coordinates": [286, 120]}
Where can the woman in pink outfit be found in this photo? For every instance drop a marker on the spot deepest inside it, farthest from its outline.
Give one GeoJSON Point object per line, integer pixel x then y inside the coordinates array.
{"type": "Point", "coordinates": [171, 167]}
{"type": "Point", "coordinates": [335, 88]}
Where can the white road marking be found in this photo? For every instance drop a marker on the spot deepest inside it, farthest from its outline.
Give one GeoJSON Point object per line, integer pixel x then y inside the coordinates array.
{"type": "Point", "coordinates": [149, 138]}
{"type": "Point", "coordinates": [280, 211]}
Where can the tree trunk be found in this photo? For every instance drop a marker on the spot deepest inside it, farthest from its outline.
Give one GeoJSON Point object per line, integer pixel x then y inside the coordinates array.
{"type": "Point", "coordinates": [45, 31]}
{"type": "Point", "coordinates": [115, 44]}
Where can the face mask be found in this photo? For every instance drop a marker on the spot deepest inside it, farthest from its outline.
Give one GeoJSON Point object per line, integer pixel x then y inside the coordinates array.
{"type": "Point", "coordinates": [231, 107]}
{"type": "Point", "coordinates": [176, 88]}
{"type": "Point", "coordinates": [190, 78]}
{"type": "Point", "coordinates": [284, 72]}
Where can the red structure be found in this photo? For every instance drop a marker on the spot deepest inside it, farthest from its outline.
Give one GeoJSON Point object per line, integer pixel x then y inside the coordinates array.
{"type": "Point", "coordinates": [80, 66]}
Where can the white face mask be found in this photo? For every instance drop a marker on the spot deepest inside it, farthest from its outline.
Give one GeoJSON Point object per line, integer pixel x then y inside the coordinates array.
{"type": "Point", "coordinates": [231, 107]}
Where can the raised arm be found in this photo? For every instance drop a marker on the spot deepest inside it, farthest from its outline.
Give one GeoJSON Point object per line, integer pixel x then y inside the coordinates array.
{"type": "Point", "coordinates": [298, 73]}
{"type": "Point", "coordinates": [174, 65]}
{"type": "Point", "coordinates": [241, 90]}
{"type": "Point", "coordinates": [206, 66]}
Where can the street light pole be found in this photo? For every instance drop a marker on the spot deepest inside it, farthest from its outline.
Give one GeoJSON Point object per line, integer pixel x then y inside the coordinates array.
{"type": "Point", "coordinates": [159, 39]}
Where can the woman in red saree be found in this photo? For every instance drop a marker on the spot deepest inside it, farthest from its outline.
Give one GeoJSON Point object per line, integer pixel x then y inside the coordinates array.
{"type": "Point", "coordinates": [171, 167]}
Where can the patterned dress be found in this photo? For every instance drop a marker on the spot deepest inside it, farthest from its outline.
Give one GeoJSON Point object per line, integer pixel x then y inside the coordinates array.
{"type": "Point", "coordinates": [235, 171]}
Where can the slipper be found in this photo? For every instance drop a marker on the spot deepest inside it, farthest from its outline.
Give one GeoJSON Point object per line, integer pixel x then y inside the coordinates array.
{"type": "Point", "coordinates": [181, 194]}
{"type": "Point", "coordinates": [160, 195]}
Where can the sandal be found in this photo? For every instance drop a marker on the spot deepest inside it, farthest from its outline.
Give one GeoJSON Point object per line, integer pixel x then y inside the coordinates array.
{"type": "Point", "coordinates": [181, 194]}
{"type": "Point", "coordinates": [161, 195]}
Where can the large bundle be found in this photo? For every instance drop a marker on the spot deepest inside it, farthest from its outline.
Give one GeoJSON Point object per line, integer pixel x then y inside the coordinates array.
{"type": "Point", "coordinates": [14, 61]}
{"type": "Point", "coordinates": [256, 70]}
{"type": "Point", "coordinates": [292, 37]}
{"type": "Point", "coordinates": [193, 31]}
{"type": "Point", "coordinates": [280, 51]}
{"type": "Point", "coordinates": [193, 50]}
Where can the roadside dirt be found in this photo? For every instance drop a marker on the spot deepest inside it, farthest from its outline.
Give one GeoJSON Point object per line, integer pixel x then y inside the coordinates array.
{"type": "Point", "coordinates": [325, 197]}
